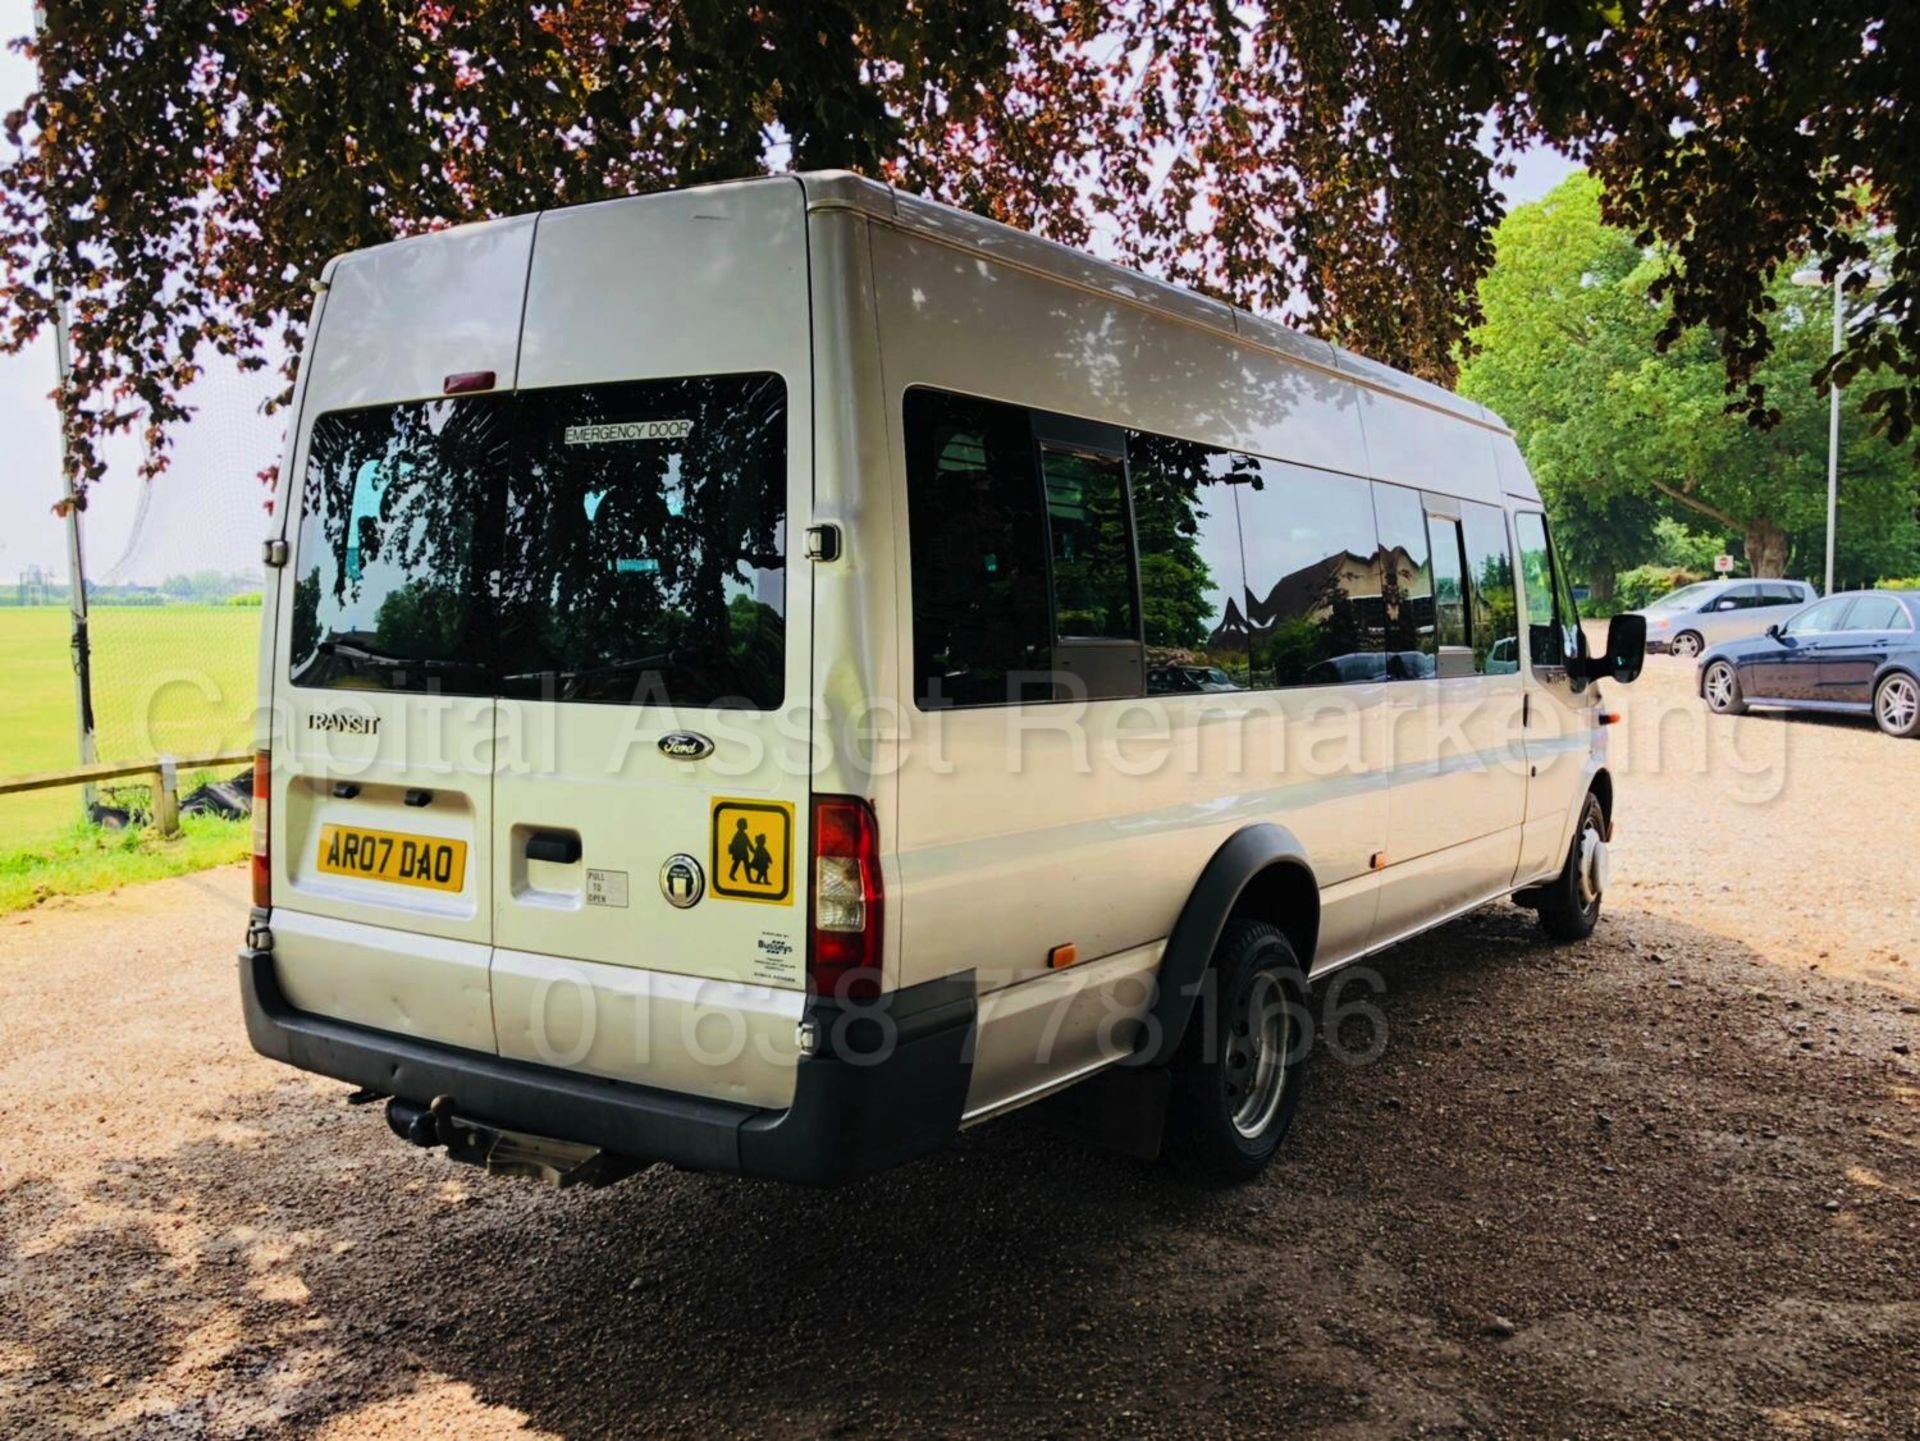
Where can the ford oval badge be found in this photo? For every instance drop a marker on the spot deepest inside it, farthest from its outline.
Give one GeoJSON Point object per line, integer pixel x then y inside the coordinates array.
{"type": "Point", "coordinates": [685, 746]}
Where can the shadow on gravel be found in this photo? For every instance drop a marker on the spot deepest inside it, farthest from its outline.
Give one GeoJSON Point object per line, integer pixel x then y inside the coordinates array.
{"type": "Point", "coordinates": [1581, 1189]}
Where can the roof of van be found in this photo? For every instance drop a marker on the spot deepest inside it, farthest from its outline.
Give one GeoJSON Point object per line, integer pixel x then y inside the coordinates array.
{"type": "Point", "coordinates": [843, 190]}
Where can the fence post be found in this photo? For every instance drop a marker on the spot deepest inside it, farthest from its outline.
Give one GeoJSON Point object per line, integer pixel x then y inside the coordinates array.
{"type": "Point", "coordinates": [166, 797]}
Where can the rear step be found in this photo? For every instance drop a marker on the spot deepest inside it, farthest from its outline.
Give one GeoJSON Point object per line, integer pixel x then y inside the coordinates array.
{"type": "Point", "coordinates": [505, 1153]}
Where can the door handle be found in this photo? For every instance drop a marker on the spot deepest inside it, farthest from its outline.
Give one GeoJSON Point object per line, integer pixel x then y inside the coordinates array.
{"type": "Point", "coordinates": [561, 847]}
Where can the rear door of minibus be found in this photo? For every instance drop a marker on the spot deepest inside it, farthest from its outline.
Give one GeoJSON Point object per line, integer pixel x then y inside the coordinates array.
{"type": "Point", "coordinates": [380, 812]}
{"type": "Point", "coordinates": [652, 767]}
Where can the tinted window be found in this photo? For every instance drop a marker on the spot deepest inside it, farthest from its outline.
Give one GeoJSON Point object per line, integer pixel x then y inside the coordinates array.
{"type": "Point", "coordinates": [1186, 516]}
{"type": "Point", "coordinates": [645, 544]}
{"type": "Point", "coordinates": [1820, 619]}
{"type": "Point", "coordinates": [1779, 595]}
{"type": "Point", "coordinates": [1745, 597]}
{"type": "Point", "coordinates": [1552, 620]}
{"type": "Point", "coordinates": [1406, 582]}
{"type": "Point", "coordinates": [977, 545]}
{"type": "Point", "coordinates": [1876, 612]}
{"type": "Point", "coordinates": [1495, 610]}
{"type": "Point", "coordinates": [1450, 625]}
{"type": "Point", "coordinates": [1313, 603]}
{"type": "Point", "coordinates": [389, 587]}
{"type": "Point", "coordinates": [1087, 530]}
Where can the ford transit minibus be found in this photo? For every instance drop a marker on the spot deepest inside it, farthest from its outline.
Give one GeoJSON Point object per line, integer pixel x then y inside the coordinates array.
{"type": "Point", "coordinates": [765, 677]}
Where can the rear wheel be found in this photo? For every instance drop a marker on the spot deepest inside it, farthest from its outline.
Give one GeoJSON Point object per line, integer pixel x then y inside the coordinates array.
{"type": "Point", "coordinates": [1722, 689]}
{"type": "Point", "coordinates": [1896, 705]}
{"type": "Point", "coordinates": [1236, 1079]}
{"type": "Point", "coordinates": [1687, 643]}
{"type": "Point", "coordinates": [1570, 903]}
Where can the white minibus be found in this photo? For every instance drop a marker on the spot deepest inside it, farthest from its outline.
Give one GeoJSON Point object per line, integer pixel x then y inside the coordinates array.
{"type": "Point", "coordinates": [765, 677]}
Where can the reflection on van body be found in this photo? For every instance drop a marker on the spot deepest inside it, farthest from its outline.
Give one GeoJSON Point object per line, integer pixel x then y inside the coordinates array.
{"type": "Point", "coordinates": [867, 670]}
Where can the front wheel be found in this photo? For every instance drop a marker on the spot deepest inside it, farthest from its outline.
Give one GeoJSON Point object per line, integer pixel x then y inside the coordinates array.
{"type": "Point", "coordinates": [1896, 705]}
{"type": "Point", "coordinates": [1722, 689]}
{"type": "Point", "coordinates": [1687, 644]}
{"type": "Point", "coordinates": [1570, 903]}
{"type": "Point", "coordinates": [1236, 1078]}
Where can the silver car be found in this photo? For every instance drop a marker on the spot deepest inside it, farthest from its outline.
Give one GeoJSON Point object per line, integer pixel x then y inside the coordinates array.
{"type": "Point", "coordinates": [1694, 617]}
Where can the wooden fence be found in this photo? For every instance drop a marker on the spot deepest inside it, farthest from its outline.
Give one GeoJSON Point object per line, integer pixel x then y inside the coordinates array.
{"type": "Point", "coordinates": [163, 775]}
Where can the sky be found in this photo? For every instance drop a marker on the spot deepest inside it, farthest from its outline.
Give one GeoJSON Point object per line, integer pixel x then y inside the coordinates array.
{"type": "Point", "coordinates": [205, 512]}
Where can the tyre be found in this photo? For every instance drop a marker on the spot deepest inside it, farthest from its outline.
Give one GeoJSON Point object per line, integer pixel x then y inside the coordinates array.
{"type": "Point", "coordinates": [1236, 1077]}
{"type": "Point", "coordinates": [1721, 687]}
{"type": "Point", "coordinates": [1896, 705]}
{"type": "Point", "coordinates": [1569, 904]}
{"type": "Point", "coordinates": [1688, 644]}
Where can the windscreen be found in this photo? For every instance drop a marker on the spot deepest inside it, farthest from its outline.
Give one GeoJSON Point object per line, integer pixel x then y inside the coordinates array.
{"type": "Point", "coordinates": [614, 544]}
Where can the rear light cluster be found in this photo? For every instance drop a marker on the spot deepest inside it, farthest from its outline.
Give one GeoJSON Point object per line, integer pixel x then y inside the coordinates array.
{"type": "Point", "coordinates": [847, 904]}
{"type": "Point", "coordinates": [262, 832]}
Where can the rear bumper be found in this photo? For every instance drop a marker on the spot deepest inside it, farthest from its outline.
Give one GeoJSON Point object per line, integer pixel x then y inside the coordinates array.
{"type": "Point", "coordinates": [888, 1085]}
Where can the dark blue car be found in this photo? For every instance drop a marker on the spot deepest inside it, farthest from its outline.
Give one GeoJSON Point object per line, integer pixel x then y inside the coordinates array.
{"type": "Point", "coordinates": [1857, 653]}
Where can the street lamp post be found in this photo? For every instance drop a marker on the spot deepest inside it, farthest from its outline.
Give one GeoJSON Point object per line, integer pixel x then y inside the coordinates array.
{"type": "Point", "coordinates": [1814, 278]}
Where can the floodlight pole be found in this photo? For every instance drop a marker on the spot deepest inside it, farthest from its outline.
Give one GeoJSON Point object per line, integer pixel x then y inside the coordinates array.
{"type": "Point", "coordinates": [76, 563]}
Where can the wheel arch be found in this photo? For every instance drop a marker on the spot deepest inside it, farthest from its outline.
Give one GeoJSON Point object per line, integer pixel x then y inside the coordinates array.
{"type": "Point", "coordinates": [1602, 786]}
{"type": "Point", "coordinates": [1260, 872]}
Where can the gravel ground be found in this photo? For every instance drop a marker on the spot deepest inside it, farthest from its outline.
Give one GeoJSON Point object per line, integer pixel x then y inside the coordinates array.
{"type": "Point", "coordinates": [1664, 1183]}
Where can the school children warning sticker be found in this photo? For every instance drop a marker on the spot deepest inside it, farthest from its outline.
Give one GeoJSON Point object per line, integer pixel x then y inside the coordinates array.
{"type": "Point", "coordinates": [752, 856]}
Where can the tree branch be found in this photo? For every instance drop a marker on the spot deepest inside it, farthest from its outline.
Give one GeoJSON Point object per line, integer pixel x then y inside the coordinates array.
{"type": "Point", "coordinates": [1674, 493]}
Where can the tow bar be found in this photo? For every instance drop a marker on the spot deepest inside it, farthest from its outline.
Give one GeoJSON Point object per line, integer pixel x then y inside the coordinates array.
{"type": "Point", "coordinates": [505, 1153]}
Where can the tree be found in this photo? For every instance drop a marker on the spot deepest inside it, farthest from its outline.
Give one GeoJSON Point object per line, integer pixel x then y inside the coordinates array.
{"type": "Point", "coordinates": [1566, 355]}
{"type": "Point", "coordinates": [186, 168]}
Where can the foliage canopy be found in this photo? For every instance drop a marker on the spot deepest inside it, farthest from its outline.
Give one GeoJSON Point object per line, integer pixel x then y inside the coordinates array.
{"type": "Point", "coordinates": [185, 168]}
{"type": "Point", "coordinates": [1618, 433]}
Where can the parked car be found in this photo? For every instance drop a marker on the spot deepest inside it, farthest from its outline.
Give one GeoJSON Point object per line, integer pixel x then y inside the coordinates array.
{"type": "Point", "coordinates": [1856, 653]}
{"type": "Point", "coordinates": [1690, 619]}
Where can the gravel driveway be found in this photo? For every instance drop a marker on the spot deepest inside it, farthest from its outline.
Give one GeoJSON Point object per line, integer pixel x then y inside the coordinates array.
{"type": "Point", "coordinates": [1664, 1183]}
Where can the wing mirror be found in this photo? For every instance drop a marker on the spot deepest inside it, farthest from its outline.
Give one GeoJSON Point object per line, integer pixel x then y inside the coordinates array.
{"type": "Point", "coordinates": [1624, 656]}
{"type": "Point", "coordinates": [1774, 630]}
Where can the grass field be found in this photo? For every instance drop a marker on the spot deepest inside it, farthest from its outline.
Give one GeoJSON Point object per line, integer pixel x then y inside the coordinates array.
{"type": "Point", "coordinates": [86, 858]}
{"type": "Point", "coordinates": [177, 679]}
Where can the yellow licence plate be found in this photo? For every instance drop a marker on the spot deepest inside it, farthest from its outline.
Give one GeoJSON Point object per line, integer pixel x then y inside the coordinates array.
{"type": "Point", "coordinates": [428, 861]}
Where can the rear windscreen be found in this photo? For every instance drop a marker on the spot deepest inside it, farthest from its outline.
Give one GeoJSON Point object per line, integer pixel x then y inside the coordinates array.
{"type": "Point", "coordinates": [619, 543]}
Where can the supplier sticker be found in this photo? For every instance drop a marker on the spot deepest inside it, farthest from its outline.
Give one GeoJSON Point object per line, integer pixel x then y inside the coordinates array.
{"type": "Point", "coordinates": [607, 888]}
{"type": "Point", "coordinates": [623, 431]}
{"type": "Point", "coordinates": [752, 852]}
{"type": "Point", "coordinates": [776, 960]}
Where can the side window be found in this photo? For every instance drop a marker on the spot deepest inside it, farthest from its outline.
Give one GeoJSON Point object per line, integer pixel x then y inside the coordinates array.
{"type": "Point", "coordinates": [1822, 619]}
{"type": "Point", "coordinates": [1552, 621]}
{"type": "Point", "coordinates": [1453, 654]}
{"type": "Point", "coordinates": [1877, 612]}
{"type": "Point", "coordinates": [1314, 611]}
{"type": "Point", "coordinates": [1186, 517]}
{"type": "Point", "coordinates": [1087, 529]}
{"type": "Point", "coordinates": [1495, 627]}
{"type": "Point", "coordinates": [1406, 582]}
{"type": "Point", "coordinates": [977, 538]}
